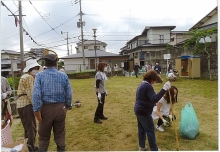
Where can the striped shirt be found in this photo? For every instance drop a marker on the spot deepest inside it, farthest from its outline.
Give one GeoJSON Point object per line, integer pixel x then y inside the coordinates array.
{"type": "Point", "coordinates": [51, 86]}
{"type": "Point", "coordinates": [25, 86]}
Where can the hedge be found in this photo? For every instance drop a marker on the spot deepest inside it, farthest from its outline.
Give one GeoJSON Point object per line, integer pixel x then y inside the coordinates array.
{"type": "Point", "coordinates": [87, 74]}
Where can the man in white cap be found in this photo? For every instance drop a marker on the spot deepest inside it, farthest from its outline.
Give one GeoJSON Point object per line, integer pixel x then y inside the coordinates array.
{"type": "Point", "coordinates": [24, 102]}
{"type": "Point", "coordinates": [52, 96]}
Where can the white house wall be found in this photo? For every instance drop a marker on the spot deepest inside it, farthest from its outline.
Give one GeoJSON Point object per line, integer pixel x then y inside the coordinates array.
{"type": "Point", "coordinates": [91, 47]}
{"type": "Point", "coordinates": [150, 36]}
{"type": "Point", "coordinates": [142, 37]}
{"type": "Point", "coordinates": [156, 38]}
{"type": "Point", "coordinates": [213, 19]}
{"type": "Point", "coordinates": [73, 65]}
{"type": "Point", "coordinates": [4, 56]}
{"type": "Point", "coordinates": [178, 38]}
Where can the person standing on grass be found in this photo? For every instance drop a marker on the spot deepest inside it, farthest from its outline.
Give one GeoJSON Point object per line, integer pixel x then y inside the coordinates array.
{"type": "Point", "coordinates": [145, 101]}
{"type": "Point", "coordinates": [52, 98]}
{"type": "Point", "coordinates": [109, 71]}
{"type": "Point", "coordinates": [136, 69]}
{"type": "Point", "coordinates": [25, 102]}
{"type": "Point", "coordinates": [169, 66]}
{"type": "Point", "coordinates": [101, 92]}
{"type": "Point", "coordinates": [163, 108]}
{"type": "Point", "coordinates": [157, 68]}
{"type": "Point", "coordinates": [147, 67]}
{"type": "Point", "coordinates": [116, 70]}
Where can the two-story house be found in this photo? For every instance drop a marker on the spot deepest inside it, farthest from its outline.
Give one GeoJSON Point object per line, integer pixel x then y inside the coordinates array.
{"type": "Point", "coordinates": [177, 37]}
{"type": "Point", "coordinates": [90, 44]}
{"type": "Point", "coordinates": [12, 59]}
{"type": "Point", "coordinates": [144, 47]}
{"type": "Point", "coordinates": [74, 62]}
{"type": "Point", "coordinates": [209, 21]}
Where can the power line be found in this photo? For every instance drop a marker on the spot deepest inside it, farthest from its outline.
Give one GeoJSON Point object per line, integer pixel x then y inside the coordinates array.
{"type": "Point", "coordinates": [17, 20]}
{"type": "Point", "coordinates": [43, 18]}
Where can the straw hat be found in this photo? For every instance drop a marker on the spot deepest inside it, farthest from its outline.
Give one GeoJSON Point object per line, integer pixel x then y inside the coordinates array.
{"type": "Point", "coordinates": [30, 64]}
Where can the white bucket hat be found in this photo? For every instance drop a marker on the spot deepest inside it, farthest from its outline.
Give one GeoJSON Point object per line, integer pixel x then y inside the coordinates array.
{"type": "Point", "coordinates": [30, 64]}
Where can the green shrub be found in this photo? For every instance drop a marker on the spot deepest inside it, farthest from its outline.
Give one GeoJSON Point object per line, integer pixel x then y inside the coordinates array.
{"type": "Point", "coordinates": [16, 82]}
{"type": "Point", "coordinates": [81, 75]}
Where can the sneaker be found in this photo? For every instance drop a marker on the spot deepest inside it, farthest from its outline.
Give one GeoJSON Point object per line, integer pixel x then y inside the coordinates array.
{"type": "Point", "coordinates": [142, 149]}
{"type": "Point", "coordinates": [160, 128]}
{"type": "Point", "coordinates": [103, 117]}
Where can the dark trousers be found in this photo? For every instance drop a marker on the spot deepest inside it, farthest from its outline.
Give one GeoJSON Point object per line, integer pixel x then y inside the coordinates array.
{"type": "Point", "coordinates": [28, 121]}
{"type": "Point", "coordinates": [109, 74]}
{"type": "Point", "coordinates": [160, 122]}
{"type": "Point", "coordinates": [100, 107]}
{"type": "Point", "coordinates": [53, 116]}
{"type": "Point", "coordinates": [146, 127]}
{"type": "Point", "coordinates": [136, 73]}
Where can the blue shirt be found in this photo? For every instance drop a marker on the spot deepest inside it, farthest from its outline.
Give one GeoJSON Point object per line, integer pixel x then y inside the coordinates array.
{"type": "Point", "coordinates": [51, 86]}
{"type": "Point", "coordinates": [146, 99]}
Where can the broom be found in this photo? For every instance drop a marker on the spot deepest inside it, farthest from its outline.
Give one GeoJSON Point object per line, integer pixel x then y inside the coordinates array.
{"type": "Point", "coordinates": [177, 142]}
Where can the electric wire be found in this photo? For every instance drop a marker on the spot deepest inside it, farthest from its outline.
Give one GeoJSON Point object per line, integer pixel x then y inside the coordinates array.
{"type": "Point", "coordinates": [43, 18]}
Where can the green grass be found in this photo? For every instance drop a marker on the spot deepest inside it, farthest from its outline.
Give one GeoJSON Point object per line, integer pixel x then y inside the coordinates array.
{"type": "Point", "coordinates": [119, 132]}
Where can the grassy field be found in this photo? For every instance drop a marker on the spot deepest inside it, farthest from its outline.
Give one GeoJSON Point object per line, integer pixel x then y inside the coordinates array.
{"type": "Point", "coordinates": [119, 132]}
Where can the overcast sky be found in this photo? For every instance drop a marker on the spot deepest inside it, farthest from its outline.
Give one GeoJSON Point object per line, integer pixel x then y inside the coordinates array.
{"type": "Point", "coordinates": [116, 21]}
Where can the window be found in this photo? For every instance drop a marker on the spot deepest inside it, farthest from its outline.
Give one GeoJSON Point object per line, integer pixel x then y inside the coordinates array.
{"type": "Point", "coordinates": [172, 39]}
{"type": "Point", "coordinates": [161, 39]}
{"type": "Point", "coordinates": [97, 47]}
{"type": "Point", "coordinates": [85, 47]}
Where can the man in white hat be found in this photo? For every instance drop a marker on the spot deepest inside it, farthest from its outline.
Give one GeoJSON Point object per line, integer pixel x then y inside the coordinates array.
{"type": "Point", "coordinates": [24, 102]}
{"type": "Point", "coordinates": [52, 96]}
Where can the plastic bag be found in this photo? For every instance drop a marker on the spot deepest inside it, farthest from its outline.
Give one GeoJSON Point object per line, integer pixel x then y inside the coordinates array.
{"type": "Point", "coordinates": [189, 124]}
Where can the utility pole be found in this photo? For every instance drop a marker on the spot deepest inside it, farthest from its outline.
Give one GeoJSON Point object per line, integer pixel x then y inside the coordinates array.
{"type": "Point", "coordinates": [81, 23]}
{"type": "Point", "coordinates": [94, 31]}
{"type": "Point", "coordinates": [67, 42]}
{"type": "Point", "coordinates": [21, 37]}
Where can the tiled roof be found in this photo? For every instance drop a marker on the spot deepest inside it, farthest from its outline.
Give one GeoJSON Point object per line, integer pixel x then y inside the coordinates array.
{"type": "Point", "coordinates": [88, 42]}
{"type": "Point", "coordinates": [9, 52]}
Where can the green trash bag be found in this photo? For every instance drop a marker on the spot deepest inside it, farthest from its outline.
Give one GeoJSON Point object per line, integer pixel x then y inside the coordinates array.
{"type": "Point", "coordinates": [189, 124]}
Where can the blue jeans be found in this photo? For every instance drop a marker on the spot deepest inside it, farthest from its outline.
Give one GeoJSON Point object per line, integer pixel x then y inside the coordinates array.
{"type": "Point", "coordinates": [146, 126]}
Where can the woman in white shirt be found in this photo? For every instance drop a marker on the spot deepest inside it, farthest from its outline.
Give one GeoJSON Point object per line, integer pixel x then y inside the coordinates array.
{"type": "Point", "coordinates": [164, 107]}
{"type": "Point", "coordinates": [116, 70]}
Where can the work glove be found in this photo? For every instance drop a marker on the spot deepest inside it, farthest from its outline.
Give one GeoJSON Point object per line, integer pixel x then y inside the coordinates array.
{"type": "Point", "coordinates": [170, 116]}
{"type": "Point", "coordinates": [106, 93]}
{"type": "Point", "coordinates": [99, 96]}
{"type": "Point", "coordinates": [166, 123]}
{"type": "Point", "coordinates": [4, 95]}
{"type": "Point", "coordinates": [167, 85]}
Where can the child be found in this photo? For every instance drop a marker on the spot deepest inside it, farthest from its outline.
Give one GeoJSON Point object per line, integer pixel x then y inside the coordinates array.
{"type": "Point", "coordinates": [163, 109]}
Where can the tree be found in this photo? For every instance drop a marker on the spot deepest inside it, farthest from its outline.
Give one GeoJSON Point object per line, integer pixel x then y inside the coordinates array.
{"type": "Point", "coordinates": [199, 43]}
{"type": "Point", "coordinates": [60, 63]}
